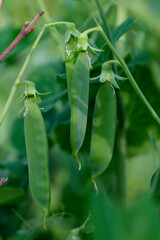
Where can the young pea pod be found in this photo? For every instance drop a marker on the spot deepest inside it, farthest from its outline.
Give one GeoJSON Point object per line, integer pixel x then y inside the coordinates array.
{"type": "Point", "coordinates": [37, 151]}
{"type": "Point", "coordinates": [79, 102]}
{"type": "Point", "coordinates": [69, 63]}
{"type": "Point", "coordinates": [37, 155]}
{"type": "Point", "coordinates": [103, 130]}
{"type": "Point", "coordinates": [69, 71]}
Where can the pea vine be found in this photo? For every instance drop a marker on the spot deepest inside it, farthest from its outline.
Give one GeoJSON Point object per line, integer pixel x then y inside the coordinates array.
{"type": "Point", "coordinates": [78, 54]}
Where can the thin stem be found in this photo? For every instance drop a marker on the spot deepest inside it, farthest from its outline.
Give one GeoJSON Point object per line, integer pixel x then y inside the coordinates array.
{"type": "Point", "coordinates": [57, 23]}
{"type": "Point", "coordinates": [21, 218]}
{"type": "Point", "coordinates": [91, 30]}
{"type": "Point", "coordinates": [25, 31]}
{"type": "Point", "coordinates": [18, 79]}
{"type": "Point", "coordinates": [13, 90]}
{"type": "Point", "coordinates": [112, 62]}
{"type": "Point", "coordinates": [130, 77]}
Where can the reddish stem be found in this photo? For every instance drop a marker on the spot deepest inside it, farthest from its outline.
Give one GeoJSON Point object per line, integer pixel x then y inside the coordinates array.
{"type": "Point", "coordinates": [25, 31]}
{"type": "Point", "coordinates": [3, 180]}
{"type": "Point", "coordinates": [1, 2]}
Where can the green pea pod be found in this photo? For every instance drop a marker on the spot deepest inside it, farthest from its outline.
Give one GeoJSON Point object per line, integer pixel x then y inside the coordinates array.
{"type": "Point", "coordinates": [103, 130]}
{"type": "Point", "coordinates": [69, 63]}
{"type": "Point", "coordinates": [37, 154]}
{"type": "Point", "coordinates": [69, 71]}
{"type": "Point", "coordinates": [79, 102]}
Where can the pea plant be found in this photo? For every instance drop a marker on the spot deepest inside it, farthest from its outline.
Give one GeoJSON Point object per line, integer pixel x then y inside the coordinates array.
{"type": "Point", "coordinates": [93, 78]}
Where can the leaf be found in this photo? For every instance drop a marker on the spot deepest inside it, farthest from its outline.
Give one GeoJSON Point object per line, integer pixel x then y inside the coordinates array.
{"type": "Point", "coordinates": [104, 215]}
{"type": "Point", "coordinates": [19, 237]}
{"type": "Point", "coordinates": [48, 104]}
{"type": "Point", "coordinates": [154, 149]}
{"type": "Point", "coordinates": [155, 184]}
{"type": "Point", "coordinates": [139, 59]}
{"type": "Point", "coordinates": [123, 28]}
{"type": "Point", "coordinates": [11, 196]}
{"type": "Point", "coordinates": [111, 78]}
{"type": "Point", "coordinates": [119, 77]}
{"type": "Point", "coordinates": [18, 168]}
{"type": "Point", "coordinates": [61, 78]}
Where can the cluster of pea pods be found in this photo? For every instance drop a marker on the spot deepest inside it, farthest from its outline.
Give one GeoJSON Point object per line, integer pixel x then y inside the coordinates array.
{"type": "Point", "coordinates": [78, 55]}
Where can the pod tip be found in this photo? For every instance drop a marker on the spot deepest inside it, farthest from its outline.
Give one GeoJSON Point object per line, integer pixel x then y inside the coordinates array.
{"type": "Point", "coordinates": [44, 222]}
{"type": "Point", "coordinates": [79, 163]}
{"type": "Point", "coordinates": [79, 168]}
{"type": "Point", "coordinates": [95, 186]}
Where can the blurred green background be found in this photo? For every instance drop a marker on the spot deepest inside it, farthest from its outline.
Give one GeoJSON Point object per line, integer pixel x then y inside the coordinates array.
{"type": "Point", "coordinates": [73, 196]}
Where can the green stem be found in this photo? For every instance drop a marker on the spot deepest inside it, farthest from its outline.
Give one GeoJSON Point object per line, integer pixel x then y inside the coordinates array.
{"type": "Point", "coordinates": [130, 77]}
{"type": "Point", "coordinates": [18, 79]}
{"type": "Point", "coordinates": [58, 23]}
{"type": "Point", "coordinates": [91, 30]}
{"type": "Point", "coordinates": [13, 90]}
{"type": "Point", "coordinates": [112, 62]}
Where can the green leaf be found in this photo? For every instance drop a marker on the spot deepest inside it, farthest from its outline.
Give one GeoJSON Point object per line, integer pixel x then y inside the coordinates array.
{"type": "Point", "coordinates": [123, 28]}
{"type": "Point", "coordinates": [61, 78]}
{"type": "Point", "coordinates": [19, 237]}
{"type": "Point", "coordinates": [105, 219]}
{"type": "Point", "coordinates": [11, 196]}
{"type": "Point", "coordinates": [111, 78]}
{"type": "Point", "coordinates": [141, 58]}
{"type": "Point", "coordinates": [154, 149]}
{"type": "Point", "coordinates": [48, 104]}
{"type": "Point", "coordinates": [18, 168]}
{"type": "Point", "coordinates": [119, 77]}
{"type": "Point", "coordinates": [155, 184]}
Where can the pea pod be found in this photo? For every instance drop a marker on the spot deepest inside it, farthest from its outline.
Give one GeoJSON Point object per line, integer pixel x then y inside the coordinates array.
{"type": "Point", "coordinates": [79, 102]}
{"type": "Point", "coordinates": [69, 63]}
{"type": "Point", "coordinates": [103, 130]}
{"type": "Point", "coordinates": [37, 154]}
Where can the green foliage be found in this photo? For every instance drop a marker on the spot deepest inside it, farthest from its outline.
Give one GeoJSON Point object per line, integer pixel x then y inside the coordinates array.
{"type": "Point", "coordinates": [11, 196]}
{"type": "Point", "coordinates": [74, 63]}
